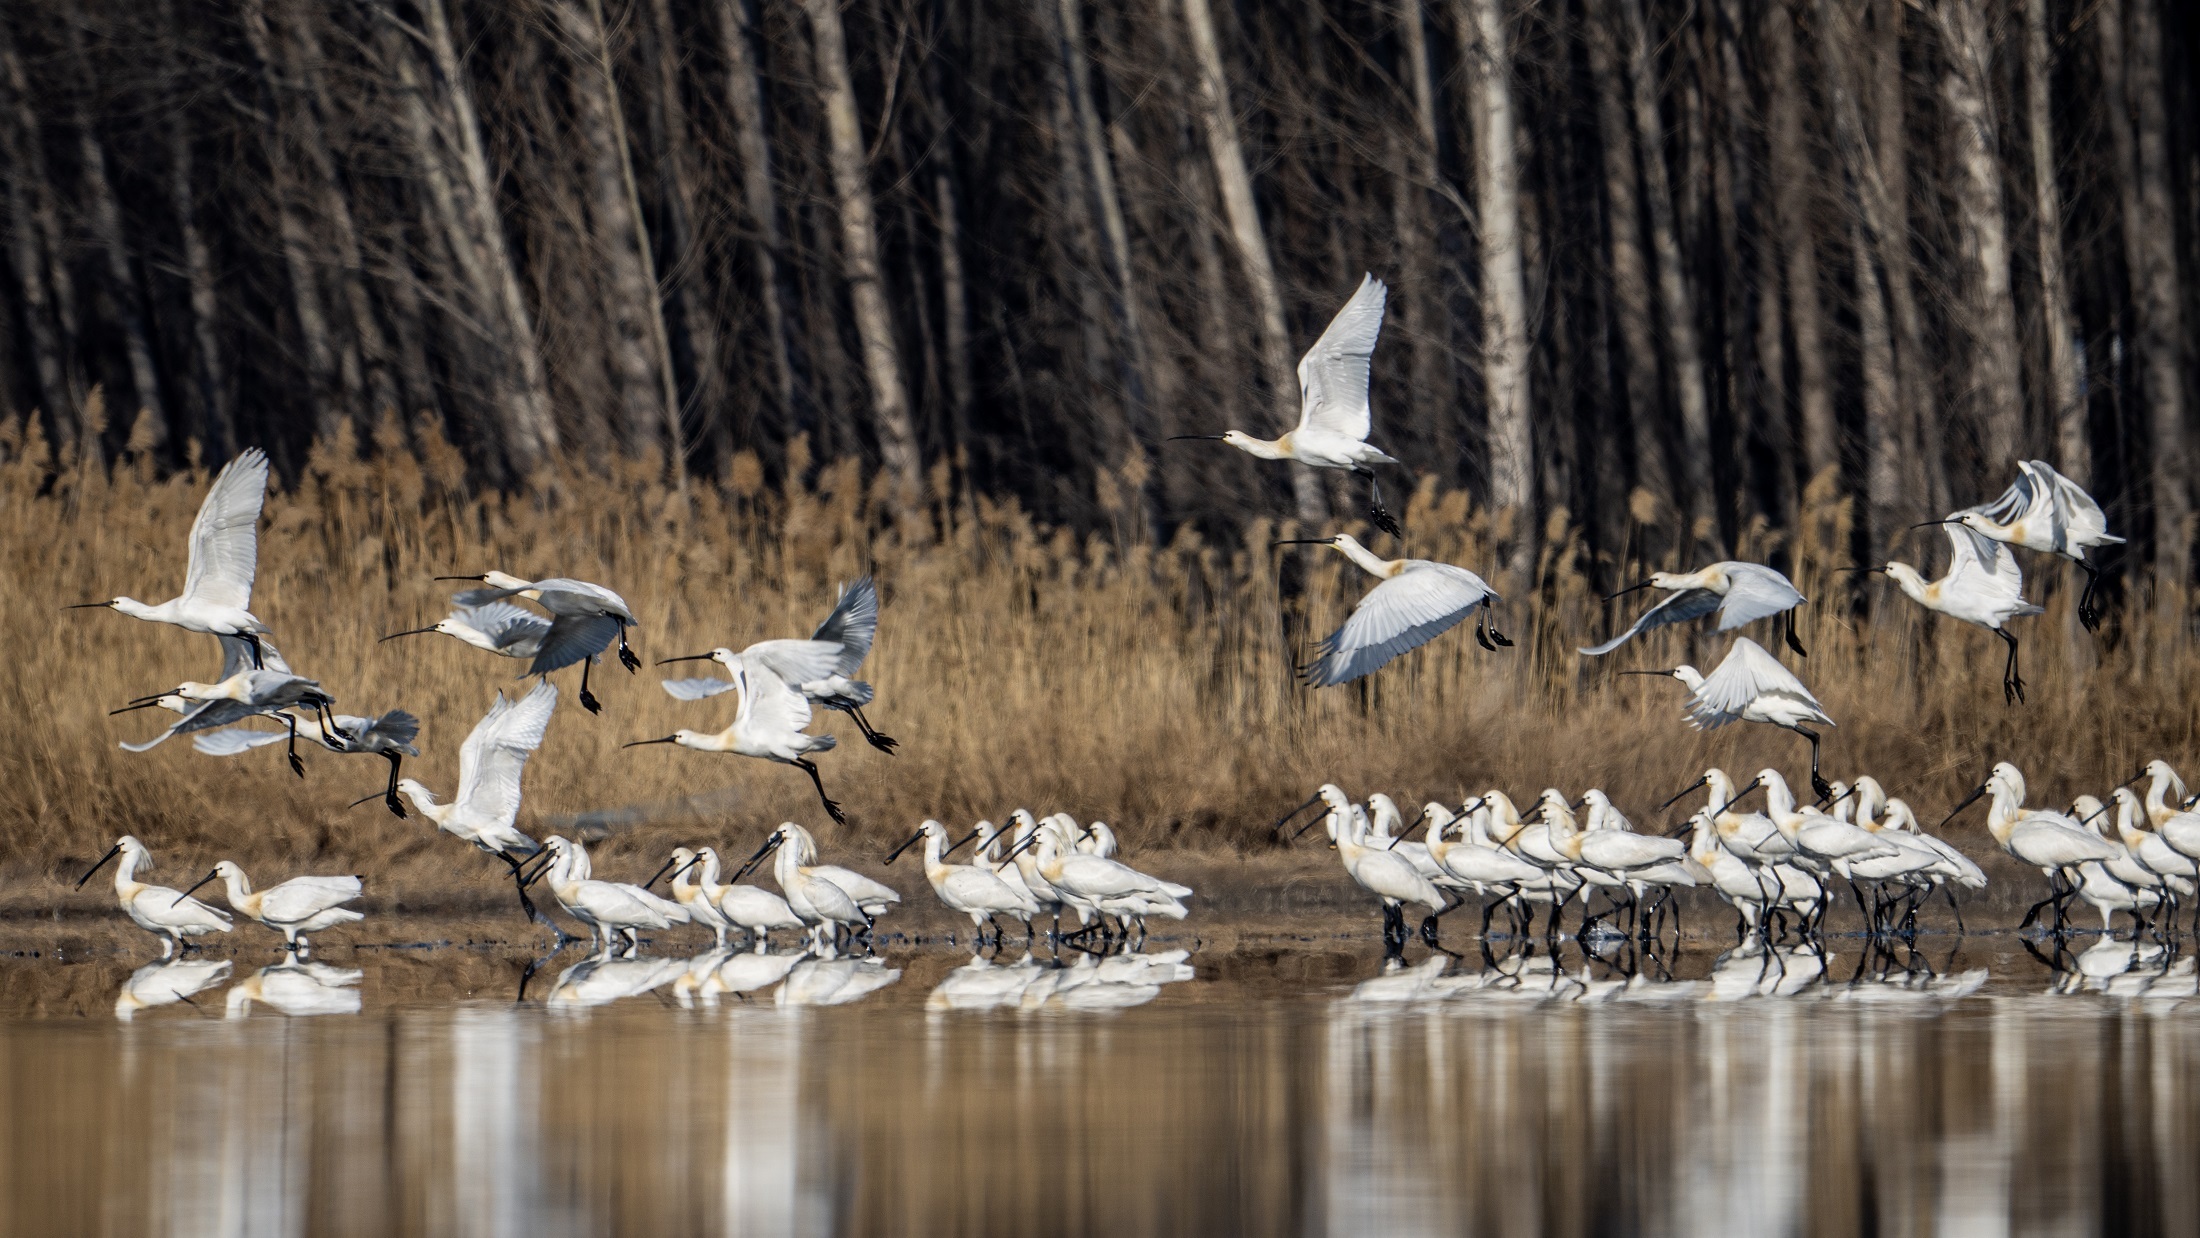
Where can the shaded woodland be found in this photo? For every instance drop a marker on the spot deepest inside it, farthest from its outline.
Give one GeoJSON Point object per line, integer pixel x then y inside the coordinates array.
{"type": "Point", "coordinates": [1655, 264]}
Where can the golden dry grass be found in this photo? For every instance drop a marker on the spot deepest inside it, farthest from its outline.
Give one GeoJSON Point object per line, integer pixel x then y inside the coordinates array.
{"type": "Point", "coordinates": [1018, 665]}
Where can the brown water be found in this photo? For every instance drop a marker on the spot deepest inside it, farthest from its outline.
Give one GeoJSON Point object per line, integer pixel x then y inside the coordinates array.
{"type": "Point", "coordinates": [1295, 1087]}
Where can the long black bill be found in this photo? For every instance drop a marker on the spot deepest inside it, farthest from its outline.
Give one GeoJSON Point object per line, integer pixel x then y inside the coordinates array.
{"type": "Point", "coordinates": [112, 852]}
{"type": "Point", "coordinates": [669, 739]}
{"type": "Point", "coordinates": [406, 632]}
{"type": "Point", "coordinates": [1968, 800]}
{"type": "Point", "coordinates": [377, 795]}
{"type": "Point", "coordinates": [1739, 796]}
{"type": "Point", "coordinates": [89, 606]}
{"type": "Point", "coordinates": [1683, 791]}
{"type": "Point", "coordinates": [1292, 815]}
{"type": "Point", "coordinates": [770, 844]}
{"type": "Point", "coordinates": [666, 869]}
{"type": "Point", "coordinates": [691, 657]}
{"type": "Point", "coordinates": [1927, 524]}
{"type": "Point", "coordinates": [483, 576]}
{"type": "Point", "coordinates": [1304, 541]}
{"type": "Point", "coordinates": [959, 845]}
{"type": "Point", "coordinates": [1309, 825]}
{"type": "Point", "coordinates": [1613, 597]}
{"type": "Point", "coordinates": [2138, 777]}
{"type": "Point", "coordinates": [210, 875]}
{"type": "Point", "coordinates": [130, 708]}
{"type": "Point", "coordinates": [1666, 674]}
{"type": "Point", "coordinates": [1186, 438]}
{"type": "Point", "coordinates": [912, 841]}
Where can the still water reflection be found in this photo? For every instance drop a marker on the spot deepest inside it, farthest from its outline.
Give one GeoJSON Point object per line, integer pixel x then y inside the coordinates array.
{"type": "Point", "coordinates": [1289, 1089]}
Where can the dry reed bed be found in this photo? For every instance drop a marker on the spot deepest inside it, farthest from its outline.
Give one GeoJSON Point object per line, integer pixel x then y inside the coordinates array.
{"type": "Point", "coordinates": [1019, 665]}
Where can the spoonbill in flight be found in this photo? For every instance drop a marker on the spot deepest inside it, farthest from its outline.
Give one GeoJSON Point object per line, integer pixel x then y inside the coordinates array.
{"type": "Point", "coordinates": [246, 694]}
{"type": "Point", "coordinates": [490, 763]}
{"type": "Point", "coordinates": [1334, 418]}
{"type": "Point", "coordinates": [389, 736]}
{"type": "Point", "coordinates": [165, 913]}
{"type": "Point", "coordinates": [501, 628]}
{"type": "Point", "coordinates": [1740, 593]}
{"type": "Point", "coordinates": [2047, 511]}
{"type": "Point", "coordinates": [584, 620]}
{"type": "Point", "coordinates": [295, 908]}
{"type": "Point", "coordinates": [1417, 601]}
{"type": "Point", "coordinates": [225, 551]}
{"type": "Point", "coordinates": [1983, 587]}
{"type": "Point", "coordinates": [1750, 685]}
{"type": "Point", "coordinates": [821, 668]}
{"type": "Point", "coordinates": [770, 724]}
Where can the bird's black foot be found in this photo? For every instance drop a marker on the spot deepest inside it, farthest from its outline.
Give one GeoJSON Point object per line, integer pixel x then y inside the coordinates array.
{"type": "Point", "coordinates": [590, 703]}
{"type": "Point", "coordinates": [627, 659]}
{"type": "Point", "coordinates": [2012, 690]}
{"type": "Point", "coordinates": [1384, 520]}
{"type": "Point", "coordinates": [1500, 638]}
{"type": "Point", "coordinates": [1821, 786]}
{"type": "Point", "coordinates": [1795, 644]}
{"type": "Point", "coordinates": [396, 806]}
{"type": "Point", "coordinates": [832, 808]}
{"type": "Point", "coordinates": [297, 766]}
{"type": "Point", "coordinates": [884, 743]}
{"type": "Point", "coordinates": [1482, 638]}
{"type": "Point", "coordinates": [1428, 930]}
{"type": "Point", "coordinates": [2089, 618]}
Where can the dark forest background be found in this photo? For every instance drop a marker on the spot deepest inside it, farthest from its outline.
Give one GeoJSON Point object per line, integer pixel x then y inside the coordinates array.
{"type": "Point", "coordinates": [1655, 264]}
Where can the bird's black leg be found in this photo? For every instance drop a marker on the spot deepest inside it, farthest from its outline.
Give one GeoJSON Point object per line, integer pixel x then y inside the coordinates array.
{"type": "Point", "coordinates": [588, 699]}
{"type": "Point", "coordinates": [259, 661]}
{"type": "Point", "coordinates": [1818, 783]}
{"type": "Point", "coordinates": [2012, 682]}
{"type": "Point", "coordinates": [389, 795]}
{"type": "Point", "coordinates": [1498, 637]}
{"type": "Point", "coordinates": [809, 767]}
{"type": "Point", "coordinates": [297, 766]}
{"type": "Point", "coordinates": [1384, 521]}
{"type": "Point", "coordinates": [626, 655]}
{"type": "Point", "coordinates": [1795, 642]}
{"type": "Point", "coordinates": [1481, 633]}
{"type": "Point", "coordinates": [2088, 613]}
{"type": "Point", "coordinates": [1951, 893]}
{"type": "Point", "coordinates": [527, 904]}
{"type": "Point", "coordinates": [884, 743]}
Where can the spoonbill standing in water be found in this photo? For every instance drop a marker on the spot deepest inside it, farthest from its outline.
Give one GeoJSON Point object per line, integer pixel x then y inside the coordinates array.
{"type": "Point", "coordinates": [584, 620]}
{"type": "Point", "coordinates": [1982, 586]}
{"type": "Point", "coordinates": [2047, 511]}
{"type": "Point", "coordinates": [1417, 601]}
{"type": "Point", "coordinates": [1750, 685]}
{"type": "Point", "coordinates": [501, 628]}
{"type": "Point", "coordinates": [1334, 418]}
{"type": "Point", "coordinates": [821, 668]}
{"type": "Point", "coordinates": [295, 908]}
{"type": "Point", "coordinates": [490, 763]}
{"type": "Point", "coordinates": [971, 889]}
{"type": "Point", "coordinates": [770, 724]}
{"type": "Point", "coordinates": [165, 913]}
{"type": "Point", "coordinates": [608, 908]}
{"type": "Point", "coordinates": [1387, 875]}
{"type": "Point", "coordinates": [2049, 841]}
{"type": "Point", "coordinates": [1740, 593]}
{"type": "Point", "coordinates": [225, 552]}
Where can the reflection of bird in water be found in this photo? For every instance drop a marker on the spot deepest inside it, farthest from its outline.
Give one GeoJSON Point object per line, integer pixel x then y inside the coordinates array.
{"type": "Point", "coordinates": [750, 972]}
{"type": "Point", "coordinates": [598, 981]}
{"type": "Point", "coordinates": [834, 982]}
{"type": "Point", "coordinates": [982, 984]}
{"type": "Point", "coordinates": [296, 989]}
{"type": "Point", "coordinates": [164, 984]}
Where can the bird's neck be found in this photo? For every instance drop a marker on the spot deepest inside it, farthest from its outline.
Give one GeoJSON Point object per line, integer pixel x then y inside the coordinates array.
{"type": "Point", "coordinates": [935, 867]}
{"type": "Point", "coordinates": [2003, 814]}
{"type": "Point", "coordinates": [1265, 449]}
{"type": "Point", "coordinates": [1374, 566]}
{"type": "Point", "coordinates": [139, 610]}
{"type": "Point", "coordinates": [239, 890]}
{"type": "Point", "coordinates": [1907, 579]}
{"type": "Point", "coordinates": [2158, 807]}
{"type": "Point", "coordinates": [707, 878]}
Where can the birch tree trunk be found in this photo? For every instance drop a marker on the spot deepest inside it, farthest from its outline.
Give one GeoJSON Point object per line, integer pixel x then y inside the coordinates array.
{"type": "Point", "coordinates": [1678, 301]}
{"type": "Point", "coordinates": [1504, 281]}
{"type": "Point", "coordinates": [1889, 148]}
{"type": "Point", "coordinates": [1235, 185]}
{"type": "Point", "coordinates": [2129, 36]}
{"type": "Point", "coordinates": [897, 436]}
{"type": "Point", "coordinates": [745, 99]}
{"type": "Point", "coordinates": [49, 302]}
{"type": "Point", "coordinates": [1792, 178]}
{"type": "Point", "coordinates": [2065, 404]}
{"type": "Point", "coordinates": [1983, 235]}
{"type": "Point", "coordinates": [686, 314]}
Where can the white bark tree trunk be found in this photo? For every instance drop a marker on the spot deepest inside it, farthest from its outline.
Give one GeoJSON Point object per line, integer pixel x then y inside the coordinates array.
{"type": "Point", "coordinates": [1504, 279]}
{"type": "Point", "coordinates": [2065, 404]}
{"type": "Point", "coordinates": [1983, 234]}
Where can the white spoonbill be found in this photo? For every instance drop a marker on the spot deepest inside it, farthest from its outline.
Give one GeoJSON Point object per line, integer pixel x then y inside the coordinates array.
{"type": "Point", "coordinates": [295, 908]}
{"type": "Point", "coordinates": [584, 619]}
{"type": "Point", "coordinates": [756, 910]}
{"type": "Point", "coordinates": [500, 628]}
{"type": "Point", "coordinates": [770, 723]}
{"type": "Point", "coordinates": [224, 557]}
{"type": "Point", "coordinates": [1417, 601]}
{"type": "Point", "coordinates": [1982, 587]}
{"type": "Point", "coordinates": [1111, 888]}
{"type": "Point", "coordinates": [1740, 593]}
{"type": "Point", "coordinates": [1750, 685]}
{"type": "Point", "coordinates": [246, 694]}
{"type": "Point", "coordinates": [974, 891]}
{"type": "Point", "coordinates": [1387, 875]}
{"type": "Point", "coordinates": [821, 902]}
{"type": "Point", "coordinates": [389, 736]}
{"type": "Point", "coordinates": [163, 912]}
{"type": "Point", "coordinates": [2049, 841]}
{"type": "Point", "coordinates": [608, 908]}
{"type": "Point", "coordinates": [490, 764]}
{"type": "Point", "coordinates": [1334, 418]}
{"type": "Point", "coordinates": [2165, 791]}
{"type": "Point", "coordinates": [2044, 510]}
{"type": "Point", "coordinates": [688, 892]}
{"type": "Point", "coordinates": [822, 668]}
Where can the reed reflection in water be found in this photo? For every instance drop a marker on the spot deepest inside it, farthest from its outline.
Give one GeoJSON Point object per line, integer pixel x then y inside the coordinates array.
{"type": "Point", "coordinates": [1233, 1104]}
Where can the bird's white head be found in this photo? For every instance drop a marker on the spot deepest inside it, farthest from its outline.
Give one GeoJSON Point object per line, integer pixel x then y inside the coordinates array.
{"type": "Point", "coordinates": [1439, 817]}
{"type": "Point", "coordinates": [1906, 578]}
{"type": "Point", "coordinates": [1690, 677]}
{"type": "Point", "coordinates": [1334, 796]}
{"type": "Point", "coordinates": [1898, 815]}
{"type": "Point", "coordinates": [2005, 780]}
{"type": "Point", "coordinates": [504, 580]}
{"type": "Point", "coordinates": [421, 797]}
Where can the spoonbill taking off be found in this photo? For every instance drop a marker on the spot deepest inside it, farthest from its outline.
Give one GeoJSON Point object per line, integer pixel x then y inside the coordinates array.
{"type": "Point", "coordinates": [1740, 593]}
{"type": "Point", "coordinates": [165, 913]}
{"type": "Point", "coordinates": [584, 620]}
{"type": "Point", "coordinates": [243, 695]}
{"type": "Point", "coordinates": [1333, 414]}
{"type": "Point", "coordinates": [1417, 601]}
{"type": "Point", "coordinates": [1983, 586]}
{"type": "Point", "coordinates": [389, 736]}
{"type": "Point", "coordinates": [225, 551]}
{"type": "Point", "coordinates": [2045, 510]}
{"type": "Point", "coordinates": [490, 763]}
{"type": "Point", "coordinates": [501, 628]}
{"type": "Point", "coordinates": [769, 724]}
{"type": "Point", "coordinates": [1750, 685]}
{"type": "Point", "coordinates": [821, 668]}
{"type": "Point", "coordinates": [295, 908]}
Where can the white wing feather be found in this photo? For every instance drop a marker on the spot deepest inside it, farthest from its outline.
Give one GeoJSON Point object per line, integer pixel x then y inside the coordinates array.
{"type": "Point", "coordinates": [767, 703]}
{"type": "Point", "coordinates": [1746, 674]}
{"type": "Point", "coordinates": [1333, 373]}
{"type": "Point", "coordinates": [495, 754]}
{"type": "Point", "coordinates": [1981, 565]}
{"type": "Point", "coordinates": [795, 662]}
{"type": "Point", "coordinates": [2080, 520]}
{"type": "Point", "coordinates": [1402, 613]}
{"type": "Point", "coordinates": [1755, 592]}
{"type": "Point", "coordinates": [225, 536]}
{"type": "Point", "coordinates": [853, 625]}
{"type": "Point", "coordinates": [696, 689]}
{"type": "Point", "coordinates": [302, 898]}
